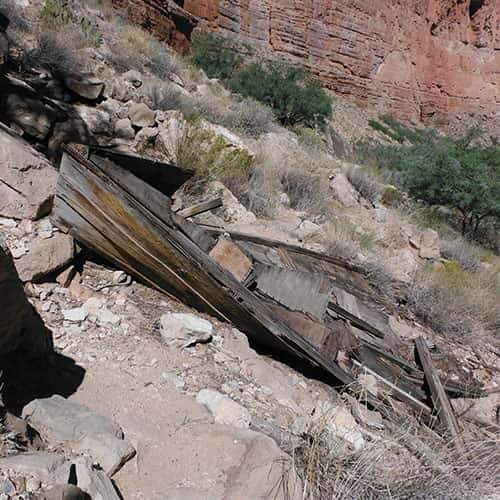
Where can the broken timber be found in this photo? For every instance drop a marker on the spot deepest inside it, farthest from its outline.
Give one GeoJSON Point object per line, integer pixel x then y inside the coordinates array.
{"type": "Point", "coordinates": [200, 208]}
{"type": "Point", "coordinates": [282, 296]}
{"type": "Point", "coordinates": [439, 398]}
{"type": "Point", "coordinates": [112, 211]}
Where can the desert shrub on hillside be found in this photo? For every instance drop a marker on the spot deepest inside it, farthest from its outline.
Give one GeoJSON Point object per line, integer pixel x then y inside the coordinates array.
{"type": "Point", "coordinates": [440, 170]}
{"type": "Point", "coordinates": [291, 93]}
{"type": "Point", "coordinates": [241, 115]}
{"type": "Point", "coordinates": [462, 252]}
{"type": "Point", "coordinates": [134, 48]}
{"type": "Point", "coordinates": [455, 301]}
{"type": "Point", "coordinates": [366, 185]}
{"type": "Point", "coordinates": [56, 52]}
{"type": "Point", "coordinates": [214, 54]}
{"type": "Point", "coordinates": [208, 155]}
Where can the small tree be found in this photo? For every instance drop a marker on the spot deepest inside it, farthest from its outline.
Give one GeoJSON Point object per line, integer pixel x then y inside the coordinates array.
{"type": "Point", "coordinates": [294, 97]}
{"type": "Point", "coordinates": [452, 172]}
{"type": "Point", "coordinates": [214, 55]}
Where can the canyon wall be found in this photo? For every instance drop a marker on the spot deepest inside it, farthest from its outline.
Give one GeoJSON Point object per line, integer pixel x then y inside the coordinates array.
{"type": "Point", "coordinates": [423, 59]}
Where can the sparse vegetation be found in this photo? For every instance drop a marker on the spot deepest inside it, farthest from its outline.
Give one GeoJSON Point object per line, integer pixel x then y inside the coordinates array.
{"type": "Point", "coordinates": [455, 172]}
{"type": "Point", "coordinates": [57, 53]}
{"type": "Point", "coordinates": [366, 185]}
{"type": "Point", "coordinates": [55, 13]}
{"type": "Point", "coordinates": [456, 302]}
{"type": "Point", "coordinates": [136, 48]}
{"type": "Point", "coordinates": [401, 465]}
{"type": "Point", "coordinates": [462, 252]}
{"type": "Point", "coordinates": [209, 156]}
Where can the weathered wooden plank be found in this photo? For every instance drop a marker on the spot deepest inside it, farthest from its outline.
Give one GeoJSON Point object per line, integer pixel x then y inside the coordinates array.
{"type": "Point", "coordinates": [200, 208]}
{"type": "Point", "coordinates": [163, 253]}
{"type": "Point", "coordinates": [440, 400]}
{"type": "Point", "coordinates": [398, 393]}
{"type": "Point", "coordinates": [363, 325]}
{"type": "Point", "coordinates": [231, 257]}
{"type": "Point", "coordinates": [297, 290]}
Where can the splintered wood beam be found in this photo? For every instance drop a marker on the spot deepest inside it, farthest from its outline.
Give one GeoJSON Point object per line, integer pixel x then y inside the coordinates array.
{"type": "Point", "coordinates": [439, 398]}
{"type": "Point", "coordinates": [200, 208]}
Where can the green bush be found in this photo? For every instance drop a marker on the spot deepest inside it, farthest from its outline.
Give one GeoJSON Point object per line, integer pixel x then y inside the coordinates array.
{"type": "Point", "coordinates": [440, 170]}
{"type": "Point", "coordinates": [292, 95]}
{"type": "Point", "coordinates": [214, 55]}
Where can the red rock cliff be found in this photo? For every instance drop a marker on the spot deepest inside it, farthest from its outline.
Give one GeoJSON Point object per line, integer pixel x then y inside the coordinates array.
{"type": "Point", "coordinates": [415, 58]}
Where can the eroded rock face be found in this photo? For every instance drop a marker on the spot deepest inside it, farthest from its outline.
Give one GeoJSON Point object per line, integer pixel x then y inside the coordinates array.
{"type": "Point", "coordinates": [413, 58]}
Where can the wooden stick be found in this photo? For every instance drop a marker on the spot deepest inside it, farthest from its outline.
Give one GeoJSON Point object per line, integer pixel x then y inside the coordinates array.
{"type": "Point", "coordinates": [200, 208]}
{"type": "Point", "coordinates": [441, 402]}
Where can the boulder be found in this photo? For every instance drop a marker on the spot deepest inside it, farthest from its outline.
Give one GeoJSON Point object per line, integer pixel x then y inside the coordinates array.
{"type": "Point", "coordinates": [45, 256]}
{"type": "Point", "coordinates": [20, 326]}
{"type": "Point", "coordinates": [134, 77]}
{"type": "Point", "coordinates": [85, 85]}
{"type": "Point", "coordinates": [224, 409]}
{"type": "Point", "coordinates": [146, 138]}
{"type": "Point", "coordinates": [232, 210]}
{"type": "Point", "coordinates": [307, 230]}
{"type": "Point", "coordinates": [429, 245]}
{"type": "Point", "coordinates": [73, 129]}
{"type": "Point", "coordinates": [343, 191]}
{"type": "Point", "coordinates": [141, 115]}
{"type": "Point", "coordinates": [124, 129]}
{"type": "Point", "coordinates": [97, 121]}
{"type": "Point", "coordinates": [27, 179]}
{"type": "Point", "coordinates": [339, 424]}
{"type": "Point", "coordinates": [265, 472]}
{"type": "Point", "coordinates": [402, 265]}
{"type": "Point", "coordinates": [182, 329]}
{"type": "Point", "coordinates": [66, 423]}
{"type": "Point", "coordinates": [22, 106]}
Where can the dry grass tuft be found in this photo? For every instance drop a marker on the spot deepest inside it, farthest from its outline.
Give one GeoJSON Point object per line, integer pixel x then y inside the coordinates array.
{"type": "Point", "coordinates": [399, 465]}
{"type": "Point", "coordinates": [462, 252]}
{"type": "Point", "coordinates": [366, 185]}
{"type": "Point", "coordinates": [134, 48]}
{"type": "Point", "coordinates": [457, 302]}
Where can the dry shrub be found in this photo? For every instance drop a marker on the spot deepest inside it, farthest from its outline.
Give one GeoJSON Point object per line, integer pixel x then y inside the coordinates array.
{"type": "Point", "coordinates": [208, 155]}
{"type": "Point", "coordinates": [135, 48]}
{"type": "Point", "coordinates": [245, 116]}
{"type": "Point", "coordinates": [401, 465]}
{"type": "Point", "coordinates": [462, 252]}
{"type": "Point", "coordinates": [366, 186]}
{"type": "Point", "coordinates": [305, 190]}
{"type": "Point", "coordinates": [58, 52]}
{"type": "Point", "coordinates": [457, 302]}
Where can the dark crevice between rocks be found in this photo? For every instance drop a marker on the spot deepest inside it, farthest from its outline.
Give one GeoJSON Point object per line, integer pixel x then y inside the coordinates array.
{"type": "Point", "coordinates": [474, 6]}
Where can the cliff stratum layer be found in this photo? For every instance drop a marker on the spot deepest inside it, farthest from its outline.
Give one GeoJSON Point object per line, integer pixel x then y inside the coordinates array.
{"type": "Point", "coordinates": [415, 58]}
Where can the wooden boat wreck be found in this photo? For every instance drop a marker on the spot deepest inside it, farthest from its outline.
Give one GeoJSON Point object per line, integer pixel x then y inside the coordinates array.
{"type": "Point", "coordinates": [289, 299]}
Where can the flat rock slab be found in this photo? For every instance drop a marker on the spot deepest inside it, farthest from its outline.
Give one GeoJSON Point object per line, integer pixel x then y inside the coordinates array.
{"type": "Point", "coordinates": [45, 256]}
{"type": "Point", "coordinates": [69, 424]}
{"type": "Point", "coordinates": [27, 179]}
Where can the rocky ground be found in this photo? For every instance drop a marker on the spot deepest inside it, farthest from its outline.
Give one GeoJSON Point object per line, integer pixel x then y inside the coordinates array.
{"type": "Point", "coordinates": [114, 389]}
